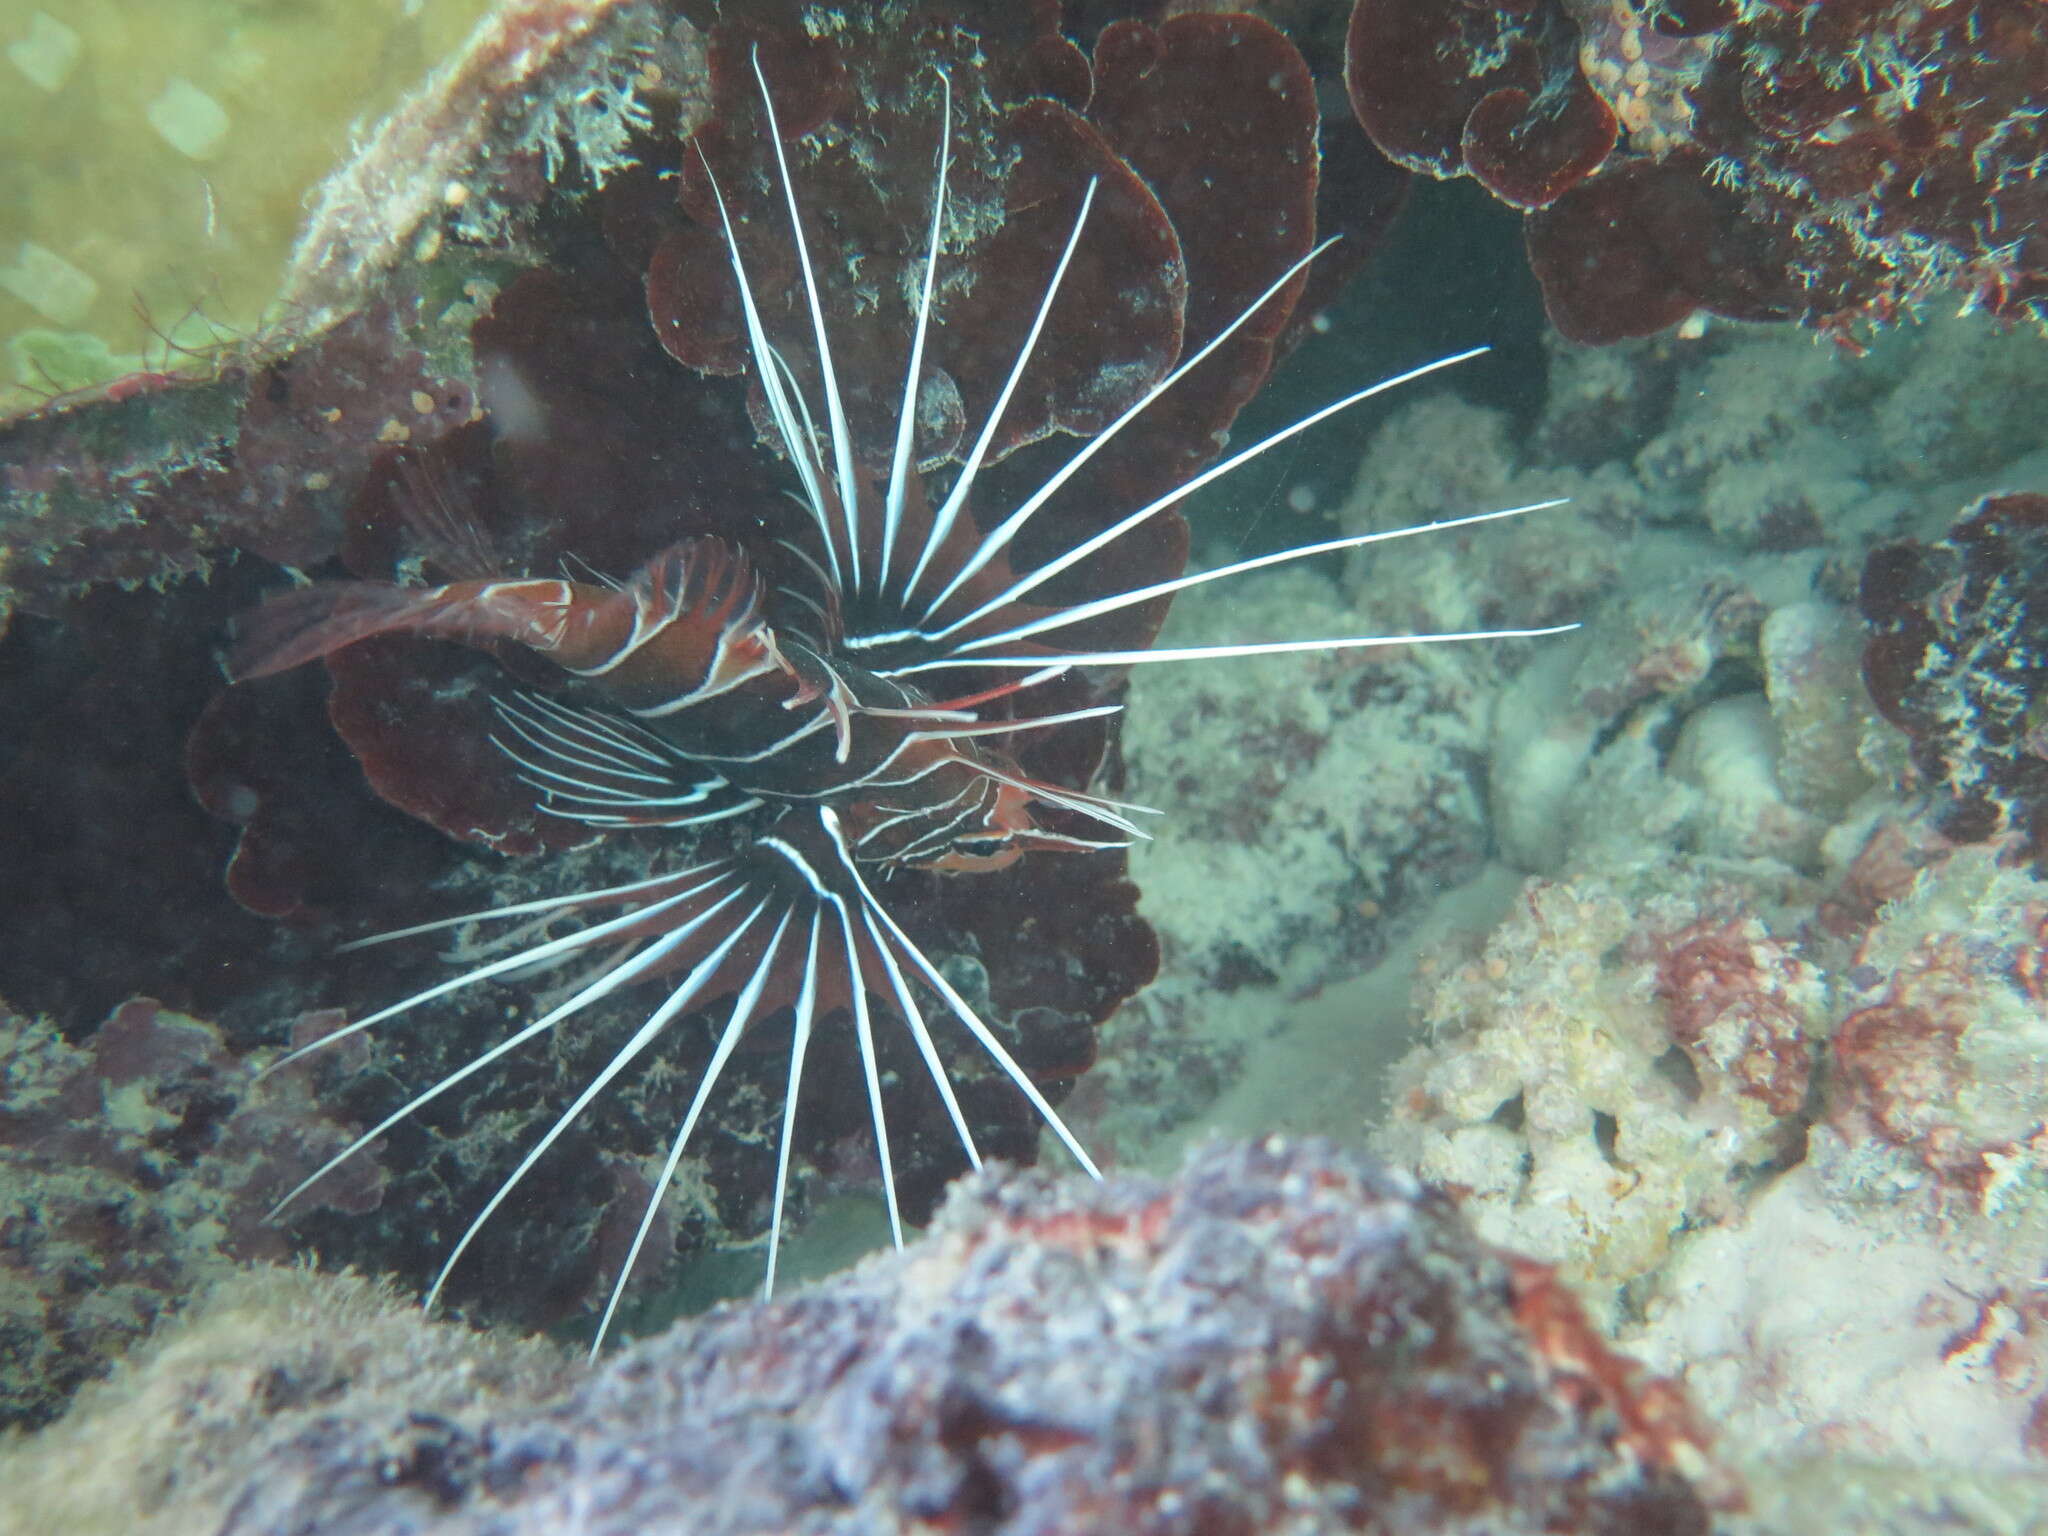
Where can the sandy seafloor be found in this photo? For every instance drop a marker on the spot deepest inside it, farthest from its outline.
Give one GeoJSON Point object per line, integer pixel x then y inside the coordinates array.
{"type": "Point", "coordinates": [1451, 903]}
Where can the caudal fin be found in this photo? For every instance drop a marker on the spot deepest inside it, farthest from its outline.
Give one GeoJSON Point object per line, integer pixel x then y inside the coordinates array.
{"type": "Point", "coordinates": [307, 623]}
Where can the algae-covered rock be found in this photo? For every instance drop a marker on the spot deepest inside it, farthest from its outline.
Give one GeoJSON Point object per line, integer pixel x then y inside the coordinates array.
{"type": "Point", "coordinates": [160, 420]}
{"type": "Point", "coordinates": [177, 1442]}
{"type": "Point", "coordinates": [136, 1167]}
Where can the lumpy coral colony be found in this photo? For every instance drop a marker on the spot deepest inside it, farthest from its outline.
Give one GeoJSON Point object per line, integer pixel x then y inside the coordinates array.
{"type": "Point", "coordinates": [514, 305]}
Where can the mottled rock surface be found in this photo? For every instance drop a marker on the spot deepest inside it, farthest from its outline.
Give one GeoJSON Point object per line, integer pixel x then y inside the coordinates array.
{"type": "Point", "coordinates": [1282, 1338]}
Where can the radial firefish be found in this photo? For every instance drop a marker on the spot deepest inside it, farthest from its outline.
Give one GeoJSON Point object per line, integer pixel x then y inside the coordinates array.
{"type": "Point", "coordinates": [817, 720]}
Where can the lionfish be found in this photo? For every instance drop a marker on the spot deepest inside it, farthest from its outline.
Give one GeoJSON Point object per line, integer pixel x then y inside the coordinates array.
{"type": "Point", "coordinates": [822, 718]}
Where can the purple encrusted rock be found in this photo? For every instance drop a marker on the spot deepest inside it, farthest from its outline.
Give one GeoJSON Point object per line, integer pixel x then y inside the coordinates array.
{"type": "Point", "coordinates": [1285, 1337]}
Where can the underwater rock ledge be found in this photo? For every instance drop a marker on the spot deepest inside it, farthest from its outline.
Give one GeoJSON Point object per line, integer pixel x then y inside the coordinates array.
{"type": "Point", "coordinates": [1283, 1337]}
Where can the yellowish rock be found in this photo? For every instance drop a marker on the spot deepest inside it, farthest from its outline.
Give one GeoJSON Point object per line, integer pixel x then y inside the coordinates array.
{"type": "Point", "coordinates": [156, 161]}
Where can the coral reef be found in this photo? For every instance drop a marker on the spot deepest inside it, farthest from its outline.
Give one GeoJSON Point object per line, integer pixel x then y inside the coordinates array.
{"type": "Point", "coordinates": [137, 1166]}
{"type": "Point", "coordinates": [1627, 1053]}
{"type": "Point", "coordinates": [1757, 1023]}
{"type": "Point", "coordinates": [1712, 702]}
{"type": "Point", "coordinates": [258, 1355]}
{"type": "Point", "coordinates": [1281, 1337]}
{"type": "Point", "coordinates": [1491, 92]}
{"type": "Point", "coordinates": [1836, 163]}
{"type": "Point", "coordinates": [1842, 1339]}
{"type": "Point", "coordinates": [1940, 1060]}
{"type": "Point", "coordinates": [1756, 1061]}
{"type": "Point", "coordinates": [1807, 1178]}
{"type": "Point", "coordinates": [1717, 696]}
{"type": "Point", "coordinates": [1880, 1299]}
{"type": "Point", "coordinates": [1726, 957]}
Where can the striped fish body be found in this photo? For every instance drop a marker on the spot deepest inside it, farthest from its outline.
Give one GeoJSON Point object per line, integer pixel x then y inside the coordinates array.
{"type": "Point", "coordinates": [728, 714]}
{"type": "Point", "coordinates": [682, 616]}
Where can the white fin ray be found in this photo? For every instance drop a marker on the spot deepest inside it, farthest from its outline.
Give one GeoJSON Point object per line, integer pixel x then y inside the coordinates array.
{"type": "Point", "coordinates": [543, 904]}
{"type": "Point", "coordinates": [1034, 579]}
{"type": "Point", "coordinates": [1081, 612]}
{"type": "Point", "coordinates": [953, 1000]}
{"type": "Point", "coordinates": [871, 1071]}
{"type": "Point", "coordinates": [589, 789]}
{"type": "Point", "coordinates": [643, 819]}
{"type": "Point", "coordinates": [580, 939]}
{"type": "Point", "coordinates": [623, 973]}
{"type": "Point", "coordinates": [1109, 812]}
{"type": "Point", "coordinates": [795, 393]}
{"type": "Point", "coordinates": [999, 537]}
{"type": "Point", "coordinates": [835, 410]}
{"type": "Point", "coordinates": [628, 737]}
{"type": "Point", "coordinates": [736, 1023]}
{"type": "Point", "coordinates": [963, 483]}
{"type": "Point", "coordinates": [799, 1044]}
{"type": "Point", "coordinates": [584, 732]}
{"type": "Point", "coordinates": [906, 416]}
{"type": "Point", "coordinates": [1011, 727]}
{"type": "Point", "coordinates": [913, 1017]}
{"type": "Point", "coordinates": [796, 442]}
{"type": "Point", "coordinates": [1219, 652]}
{"type": "Point", "coordinates": [677, 1001]}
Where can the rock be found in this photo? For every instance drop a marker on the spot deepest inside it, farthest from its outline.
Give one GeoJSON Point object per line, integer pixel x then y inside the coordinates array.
{"type": "Point", "coordinates": [1284, 1337]}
